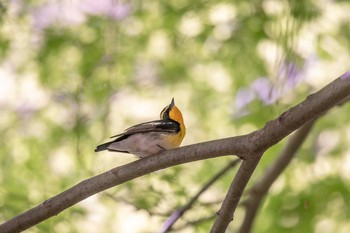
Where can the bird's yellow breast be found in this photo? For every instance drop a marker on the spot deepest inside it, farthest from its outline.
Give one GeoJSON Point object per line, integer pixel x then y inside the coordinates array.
{"type": "Point", "coordinates": [174, 140]}
{"type": "Point", "coordinates": [176, 115]}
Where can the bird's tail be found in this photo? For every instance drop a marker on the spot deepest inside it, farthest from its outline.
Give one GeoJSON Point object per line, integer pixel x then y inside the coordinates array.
{"type": "Point", "coordinates": [102, 147]}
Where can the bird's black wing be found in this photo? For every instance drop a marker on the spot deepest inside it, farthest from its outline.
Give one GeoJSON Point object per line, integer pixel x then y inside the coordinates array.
{"type": "Point", "coordinates": [166, 126]}
{"type": "Point", "coordinates": [105, 146]}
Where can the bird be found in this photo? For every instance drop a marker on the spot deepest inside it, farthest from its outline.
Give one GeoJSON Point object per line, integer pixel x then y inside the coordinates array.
{"type": "Point", "coordinates": [150, 137]}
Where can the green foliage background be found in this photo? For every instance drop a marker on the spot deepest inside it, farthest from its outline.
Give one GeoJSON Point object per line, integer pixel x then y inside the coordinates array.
{"type": "Point", "coordinates": [72, 77]}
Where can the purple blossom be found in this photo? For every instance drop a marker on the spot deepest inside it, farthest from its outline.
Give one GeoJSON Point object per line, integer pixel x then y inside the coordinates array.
{"type": "Point", "coordinates": [345, 76]}
{"type": "Point", "coordinates": [111, 8]}
{"type": "Point", "coordinates": [291, 73]}
{"type": "Point", "coordinates": [244, 96]}
{"type": "Point", "coordinates": [75, 13]}
{"type": "Point", "coordinates": [288, 76]}
{"type": "Point", "coordinates": [264, 90]}
{"type": "Point", "coordinates": [53, 13]}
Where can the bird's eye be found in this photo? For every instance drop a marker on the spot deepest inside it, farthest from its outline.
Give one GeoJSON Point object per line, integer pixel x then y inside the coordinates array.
{"type": "Point", "coordinates": [164, 114]}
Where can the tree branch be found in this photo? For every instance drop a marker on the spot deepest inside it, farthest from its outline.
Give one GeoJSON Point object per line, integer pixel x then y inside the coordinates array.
{"type": "Point", "coordinates": [251, 144]}
{"type": "Point", "coordinates": [261, 187]}
{"type": "Point", "coordinates": [226, 212]}
{"type": "Point", "coordinates": [179, 212]}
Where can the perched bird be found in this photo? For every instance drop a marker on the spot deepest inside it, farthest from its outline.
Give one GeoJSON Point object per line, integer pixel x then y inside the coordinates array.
{"type": "Point", "coordinates": [151, 137]}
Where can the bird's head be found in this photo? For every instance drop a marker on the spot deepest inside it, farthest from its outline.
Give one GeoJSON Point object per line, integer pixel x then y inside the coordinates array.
{"type": "Point", "coordinates": [172, 112]}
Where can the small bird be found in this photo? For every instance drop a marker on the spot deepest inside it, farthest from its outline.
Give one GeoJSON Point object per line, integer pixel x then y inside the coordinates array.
{"type": "Point", "coordinates": [151, 137]}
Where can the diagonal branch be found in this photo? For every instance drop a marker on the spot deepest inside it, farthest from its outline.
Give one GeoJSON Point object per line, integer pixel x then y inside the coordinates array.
{"type": "Point", "coordinates": [260, 189]}
{"type": "Point", "coordinates": [225, 214]}
{"type": "Point", "coordinates": [262, 186]}
{"type": "Point", "coordinates": [178, 213]}
{"type": "Point", "coordinates": [251, 144]}
{"type": "Point", "coordinates": [228, 207]}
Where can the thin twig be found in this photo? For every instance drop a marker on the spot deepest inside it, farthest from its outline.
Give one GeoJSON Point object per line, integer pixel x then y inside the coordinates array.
{"type": "Point", "coordinates": [179, 212]}
{"type": "Point", "coordinates": [194, 223]}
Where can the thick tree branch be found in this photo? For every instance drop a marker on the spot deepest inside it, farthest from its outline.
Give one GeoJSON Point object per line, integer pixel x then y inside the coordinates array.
{"type": "Point", "coordinates": [226, 212]}
{"type": "Point", "coordinates": [262, 186]}
{"type": "Point", "coordinates": [260, 189]}
{"type": "Point", "coordinates": [178, 213]}
{"type": "Point", "coordinates": [243, 146]}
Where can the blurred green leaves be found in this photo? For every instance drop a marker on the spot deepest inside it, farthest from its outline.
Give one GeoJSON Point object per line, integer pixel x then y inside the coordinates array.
{"type": "Point", "coordinates": [74, 73]}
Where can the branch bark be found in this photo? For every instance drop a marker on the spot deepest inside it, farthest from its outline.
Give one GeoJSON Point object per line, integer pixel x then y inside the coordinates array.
{"type": "Point", "coordinates": [226, 212]}
{"type": "Point", "coordinates": [261, 187]}
{"type": "Point", "coordinates": [243, 146]}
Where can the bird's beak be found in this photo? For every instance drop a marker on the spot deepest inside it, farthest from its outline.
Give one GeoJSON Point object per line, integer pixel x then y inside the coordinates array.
{"type": "Point", "coordinates": [172, 104]}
